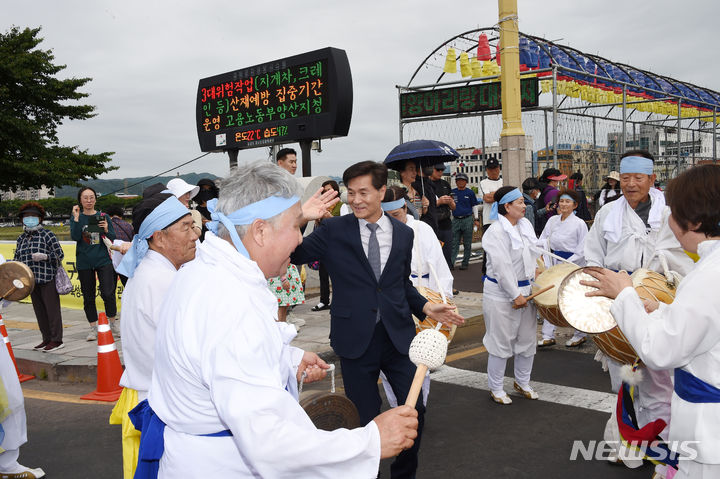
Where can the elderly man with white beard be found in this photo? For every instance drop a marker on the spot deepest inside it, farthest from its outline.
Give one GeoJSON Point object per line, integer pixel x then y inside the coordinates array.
{"type": "Point", "coordinates": [223, 400]}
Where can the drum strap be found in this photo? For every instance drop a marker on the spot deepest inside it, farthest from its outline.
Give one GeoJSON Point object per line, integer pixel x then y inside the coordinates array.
{"type": "Point", "coordinates": [525, 282]}
{"type": "Point", "coordinates": [690, 388]}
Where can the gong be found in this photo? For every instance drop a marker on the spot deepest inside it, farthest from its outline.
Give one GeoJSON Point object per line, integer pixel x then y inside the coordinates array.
{"type": "Point", "coordinates": [16, 281]}
{"type": "Point", "coordinates": [330, 411]}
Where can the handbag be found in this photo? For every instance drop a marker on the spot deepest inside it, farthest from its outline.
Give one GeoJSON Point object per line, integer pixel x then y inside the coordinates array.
{"type": "Point", "coordinates": [63, 285]}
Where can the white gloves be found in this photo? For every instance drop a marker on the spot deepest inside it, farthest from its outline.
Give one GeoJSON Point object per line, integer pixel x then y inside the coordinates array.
{"type": "Point", "coordinates": [39, 257]}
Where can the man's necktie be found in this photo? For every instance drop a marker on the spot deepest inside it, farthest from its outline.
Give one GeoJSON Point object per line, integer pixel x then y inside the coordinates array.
{"type": "Point", "coordinates": [374, 250]}
{"type": "Point", "coordinates": [374, 257]}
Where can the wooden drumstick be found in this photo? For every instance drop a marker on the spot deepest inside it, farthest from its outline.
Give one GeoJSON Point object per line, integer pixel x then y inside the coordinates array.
{"type": "Point", "coordinates": [17, 284]}
{"type": "Point", "coordinates": [538, 293]}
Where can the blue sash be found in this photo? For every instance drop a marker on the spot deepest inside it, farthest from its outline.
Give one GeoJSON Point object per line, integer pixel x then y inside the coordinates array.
{"type": "Point", "coordinates": [152, 443]}
{"type": "Point", "coordinates": [562, 254]}
{"type": "Point", "coordinates": [693, 389]}
{"type": "Point", "coordinates": [525, 282]}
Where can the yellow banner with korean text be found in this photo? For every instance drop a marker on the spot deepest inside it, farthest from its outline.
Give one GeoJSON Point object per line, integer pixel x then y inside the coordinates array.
{"type": "Point", "coordinates": [74, 299]}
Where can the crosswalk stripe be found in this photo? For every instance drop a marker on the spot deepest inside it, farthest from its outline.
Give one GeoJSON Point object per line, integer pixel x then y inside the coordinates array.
{"type": "Point", "coordinates": [565, 395]}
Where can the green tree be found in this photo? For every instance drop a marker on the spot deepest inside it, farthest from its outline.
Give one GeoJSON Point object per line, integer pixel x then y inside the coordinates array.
{"type": "Point", "coordinates": [33, 103]}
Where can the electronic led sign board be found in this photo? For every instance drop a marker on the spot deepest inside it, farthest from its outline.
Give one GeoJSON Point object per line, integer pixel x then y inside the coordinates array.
{"type": "Point", "coordinates": [303, 97]}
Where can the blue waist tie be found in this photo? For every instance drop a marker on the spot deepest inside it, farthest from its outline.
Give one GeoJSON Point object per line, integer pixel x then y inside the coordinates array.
{"type": "Point", "coordinates": [525, 282]}
{"type": "Point", "coordinates": [693, 389]}
{"type": "Point", "coordinates": [425, 276]}
{"type": "Point", "coordinates": [562, 254]}
{"type": "Point", "coordinates": [152, 444]}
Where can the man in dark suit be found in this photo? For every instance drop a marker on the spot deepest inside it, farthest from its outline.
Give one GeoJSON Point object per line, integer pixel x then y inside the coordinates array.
{"type": "Point", "coordinates": [368, 257]}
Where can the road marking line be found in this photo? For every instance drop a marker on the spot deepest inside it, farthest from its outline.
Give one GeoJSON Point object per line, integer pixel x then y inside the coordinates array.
{"type": "Point", "coordinates": [59, 397]}
{"type": "Point", "coordinates": [565, 395]}
{"type": "Point", "coordinates": [465, 354]}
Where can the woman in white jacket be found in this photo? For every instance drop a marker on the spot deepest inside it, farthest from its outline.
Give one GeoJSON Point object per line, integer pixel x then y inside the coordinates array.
{"type": "Point", "coordinates": [564, 235]}
{"type": "Point", "coordinates": [510, 321]}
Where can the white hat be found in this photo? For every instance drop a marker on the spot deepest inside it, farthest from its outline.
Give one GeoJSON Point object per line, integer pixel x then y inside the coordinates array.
{"type": "Point", "coordinates": [613, 174]}
{"type": "Point", "coordinates": [179, 187]}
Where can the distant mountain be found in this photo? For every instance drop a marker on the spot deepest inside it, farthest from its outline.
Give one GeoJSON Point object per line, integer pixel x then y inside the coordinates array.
{"type": "Point", "coordinates": [134, 185]}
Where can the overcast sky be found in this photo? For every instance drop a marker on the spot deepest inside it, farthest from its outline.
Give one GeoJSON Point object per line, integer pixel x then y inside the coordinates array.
{"type": "Point", "coordinates": [145, 59]}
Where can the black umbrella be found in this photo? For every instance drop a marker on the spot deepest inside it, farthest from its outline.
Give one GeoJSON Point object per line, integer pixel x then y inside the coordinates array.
{"type": "Point", "coordinates": [424, 152]}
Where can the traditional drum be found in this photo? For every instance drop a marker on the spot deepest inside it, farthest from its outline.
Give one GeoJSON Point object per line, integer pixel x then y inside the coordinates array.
{"type": "Point", "coordinates": [592, 314]}
{"type": "Point", "coordinates": [16, 281]}
{"type": "Point", "coordinates": [547, 303]}
{"type": "Point", "coordinates": [329, 411]}
{"type": "Point", "coordinates": [429, 323]}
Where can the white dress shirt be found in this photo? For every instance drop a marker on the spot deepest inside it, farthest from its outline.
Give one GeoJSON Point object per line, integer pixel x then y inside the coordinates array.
{"type": "Point", "coordinates": [384, 237]}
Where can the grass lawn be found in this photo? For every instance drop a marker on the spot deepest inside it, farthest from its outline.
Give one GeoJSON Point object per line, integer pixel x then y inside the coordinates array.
{"type": "Point", "coordinates": [11, 233]}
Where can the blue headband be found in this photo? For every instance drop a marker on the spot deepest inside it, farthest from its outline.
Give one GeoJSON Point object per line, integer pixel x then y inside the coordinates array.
{"type": "Point", "coordinates": [165, 214]}
{"type": "Point", "coordinates": [260, 210]}
{"type": "Point", "coordinates": [393, 205]}
{"type": "Point", "coordinates": [636, 164]}
{"type": "Point", "coordinates": [566, 197]}
{"type": "Point", "coordinates": [511, 195]}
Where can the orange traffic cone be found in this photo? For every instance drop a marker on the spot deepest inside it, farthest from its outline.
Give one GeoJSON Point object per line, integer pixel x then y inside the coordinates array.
{"type": "Point", "coordinates": [22, 377]}
{"type": "Point", "coordinates": [109, 368]}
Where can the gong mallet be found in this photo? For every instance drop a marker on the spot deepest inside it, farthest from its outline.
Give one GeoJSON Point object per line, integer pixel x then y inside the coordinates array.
{"type": "Point", "coordinates": [427, 350]}
{"type": "Point", "coordinates": [537, 293]}
{"type": "Point", "coordinates": [17, 284]}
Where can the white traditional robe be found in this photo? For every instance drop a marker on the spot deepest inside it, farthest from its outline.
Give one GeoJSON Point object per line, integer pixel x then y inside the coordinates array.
{"type": "Point", "coordinates": [427, 250]}
{"type": "Point", "coordinates": [565, 235]}
{"type": "Point", "coordinates": [141, 302]}
{"type": "Point", "coordinates": [619, 240]}
{"type": "Point", "coordinates": [223, 362]}
{"type": "Point", "coordinates": [509, 260]}
{"type": "Point", "coordinates": [684, 334]}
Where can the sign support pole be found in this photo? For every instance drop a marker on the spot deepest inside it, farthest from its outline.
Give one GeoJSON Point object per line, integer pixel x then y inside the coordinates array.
{"type": "Point", "coordinates": [233, 154]}
{"type": "Point", "coordinates": [512, 136]}
{"type": "Point", "coordinates": [306, 148]}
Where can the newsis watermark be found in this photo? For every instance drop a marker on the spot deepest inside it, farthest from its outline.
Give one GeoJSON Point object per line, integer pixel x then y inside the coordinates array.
{"type": "Point", "coordinates": [655, 450]}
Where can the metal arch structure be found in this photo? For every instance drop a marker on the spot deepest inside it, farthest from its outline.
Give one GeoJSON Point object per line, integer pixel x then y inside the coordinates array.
{"type": "Point", "coordinates": [695, 105]}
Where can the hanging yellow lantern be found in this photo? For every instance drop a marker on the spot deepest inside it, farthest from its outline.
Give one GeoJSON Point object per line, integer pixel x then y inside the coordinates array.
{"type": "Point", "coordinates": [450, 61]}
{"type": "Point", "coordinates": [465, 70]}
{"type": "Point", "coordinates": [475, 67]}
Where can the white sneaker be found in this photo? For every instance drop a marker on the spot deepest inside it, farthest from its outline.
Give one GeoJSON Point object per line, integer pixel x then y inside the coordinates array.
{"type": "Point", "coordinates": [92, 335]}
{"type": "Point", "coordinates": [26, 474]}
{"type": "Point", "coordinates": [501, 398]}
{"type": "Point", "coordinates": [526, 391]}
{"type": "Point", "coordinates": [295, 321]}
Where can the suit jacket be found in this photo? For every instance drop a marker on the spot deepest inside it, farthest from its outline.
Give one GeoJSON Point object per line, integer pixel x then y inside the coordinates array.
{"type": "Point", "coordinates": [357, 295]}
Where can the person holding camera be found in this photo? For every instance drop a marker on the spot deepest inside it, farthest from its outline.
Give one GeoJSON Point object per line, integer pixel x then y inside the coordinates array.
{"type": "Point", "coordinates": [87, 228]}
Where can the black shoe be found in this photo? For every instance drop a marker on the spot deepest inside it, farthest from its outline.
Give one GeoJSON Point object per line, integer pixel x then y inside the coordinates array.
{"type": "Point", "coordinates": [53, 346]}
{"type": "Point", "coordinates": [463, 266]}
{"type": "Point", "coordinates": [42, 345]}
{"type": "Point", "coordinates": [320, 307]}
{"type": "Point", "coordinates": [455, 292]}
